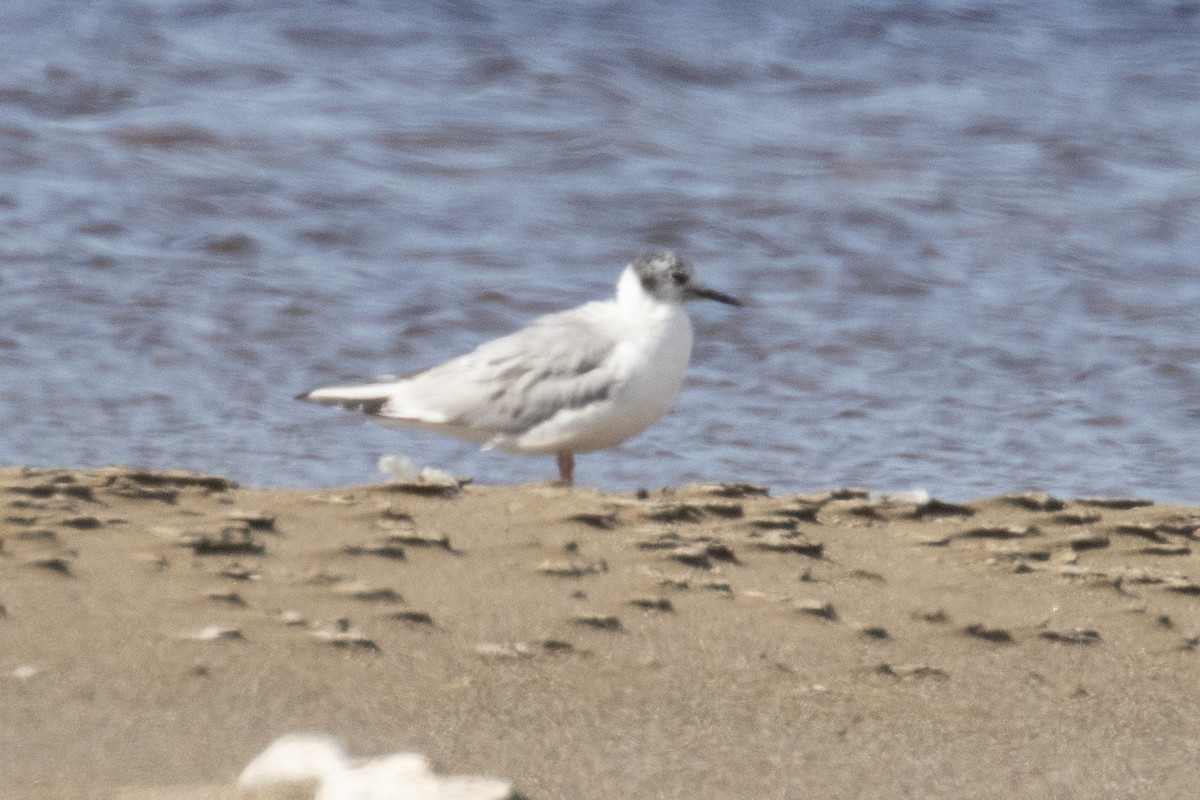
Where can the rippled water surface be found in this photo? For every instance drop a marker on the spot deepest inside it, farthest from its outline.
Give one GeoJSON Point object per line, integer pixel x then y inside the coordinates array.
{"type": "Point", "coordinates": [971, 230]}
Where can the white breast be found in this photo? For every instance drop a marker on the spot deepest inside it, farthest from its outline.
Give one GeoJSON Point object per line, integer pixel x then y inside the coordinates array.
{"type": "Point", "coordinates": [649, 366]}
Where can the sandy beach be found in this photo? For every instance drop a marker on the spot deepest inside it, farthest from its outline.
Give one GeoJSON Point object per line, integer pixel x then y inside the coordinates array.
{"type": "Point", "coordinates": [159, 629]}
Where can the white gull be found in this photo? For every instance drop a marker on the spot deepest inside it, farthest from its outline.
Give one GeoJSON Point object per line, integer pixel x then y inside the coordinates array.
{"type": "Point", "coordinates": [571, 382]}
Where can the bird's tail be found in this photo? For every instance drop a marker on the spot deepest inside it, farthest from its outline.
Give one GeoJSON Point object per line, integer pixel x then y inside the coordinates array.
{"type": "Point", "coordinates": [368, 397]}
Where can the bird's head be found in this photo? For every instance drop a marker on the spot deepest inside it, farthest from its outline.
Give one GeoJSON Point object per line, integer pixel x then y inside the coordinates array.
{"type": "Point", "coordinates": [667, 277]}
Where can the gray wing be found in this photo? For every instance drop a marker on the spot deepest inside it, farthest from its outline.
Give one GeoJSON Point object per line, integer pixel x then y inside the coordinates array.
{"type": "Point", "coordinates": [512, 384]}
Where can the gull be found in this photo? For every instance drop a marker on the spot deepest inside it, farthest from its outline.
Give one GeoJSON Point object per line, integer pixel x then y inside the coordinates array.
{"type": "Point", "coordinates": [571, 382]}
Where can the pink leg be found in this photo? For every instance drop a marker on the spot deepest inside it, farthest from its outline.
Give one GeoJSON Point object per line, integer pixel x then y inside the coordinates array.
{"type": "Point", "coordinates": [566, 467]}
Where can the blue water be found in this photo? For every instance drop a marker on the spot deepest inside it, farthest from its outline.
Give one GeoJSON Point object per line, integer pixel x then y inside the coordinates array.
{"type": "Point", "coordinates": [971, 231]}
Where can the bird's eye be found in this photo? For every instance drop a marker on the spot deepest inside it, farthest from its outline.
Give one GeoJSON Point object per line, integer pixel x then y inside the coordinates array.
{"type": "Point", "coordinates": [680, 278]}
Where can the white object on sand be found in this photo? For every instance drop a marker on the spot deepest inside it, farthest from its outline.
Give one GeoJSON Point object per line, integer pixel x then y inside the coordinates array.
{"type": "Point", "coordinates": [315, 767]}
{"type": "Point", "coordinates": [906, 497]}
{"type": "Point", "coordinates": [572, 382]}
{"type": "Point", "coordinates": [398, 467]}
{"type": "Point", "coordinates": [292, 767]}
{"type": "Point", "coordinates": [406, 776]}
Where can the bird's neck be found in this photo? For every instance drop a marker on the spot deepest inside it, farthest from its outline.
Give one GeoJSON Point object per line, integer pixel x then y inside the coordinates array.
{"type": "Point", "coordinates": [654, 322]}
{"type": "Point", "coordinates": [632, 298]}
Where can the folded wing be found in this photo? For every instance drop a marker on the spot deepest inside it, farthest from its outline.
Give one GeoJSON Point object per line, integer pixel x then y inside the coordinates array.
{"type": "Point", "coordinates": [504, 387]}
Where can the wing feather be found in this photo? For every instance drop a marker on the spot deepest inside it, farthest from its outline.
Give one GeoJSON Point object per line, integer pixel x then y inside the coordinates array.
{"type": "Point", "coordinates": [509, 385]}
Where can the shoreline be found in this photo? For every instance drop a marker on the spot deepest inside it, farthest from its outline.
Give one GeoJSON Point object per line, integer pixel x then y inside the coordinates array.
{"type": "Point", "coordinates": [160, 628]}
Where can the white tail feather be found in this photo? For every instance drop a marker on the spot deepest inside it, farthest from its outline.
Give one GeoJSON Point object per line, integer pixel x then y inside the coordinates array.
{"type": "Point", "coordinates": [365, 397]}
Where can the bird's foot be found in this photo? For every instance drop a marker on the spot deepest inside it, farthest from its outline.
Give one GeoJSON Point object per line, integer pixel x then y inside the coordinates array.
{"type": "Point", "coordinates": [566, 468]}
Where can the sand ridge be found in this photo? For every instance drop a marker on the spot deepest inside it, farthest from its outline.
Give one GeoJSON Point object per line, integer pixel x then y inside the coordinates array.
{"type": "Point", "coordinates": [160, 628]}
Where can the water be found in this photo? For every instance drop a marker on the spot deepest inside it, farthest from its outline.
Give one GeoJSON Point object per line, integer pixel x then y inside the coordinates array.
{"type": "Point", "coordinates": [971, 230]}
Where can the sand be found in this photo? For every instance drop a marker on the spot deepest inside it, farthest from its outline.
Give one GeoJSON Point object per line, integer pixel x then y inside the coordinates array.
{"type": "Point", "coordinates": [160, 629]}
